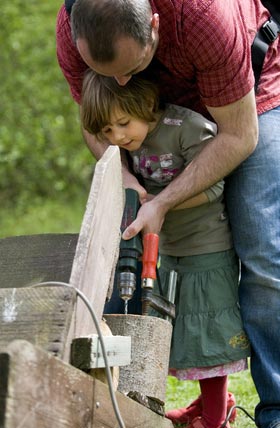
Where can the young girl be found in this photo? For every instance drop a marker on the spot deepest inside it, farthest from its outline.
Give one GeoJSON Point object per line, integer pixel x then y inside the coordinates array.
{"type": "Point", "coordinates": [208, 339]}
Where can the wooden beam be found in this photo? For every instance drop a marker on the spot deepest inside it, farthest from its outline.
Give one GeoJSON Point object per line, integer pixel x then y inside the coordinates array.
{"type": "Point", "coordinates": [98, 244]}
{"type": "Point", "coordinates": [39, 390]}
{"type": "Point", "coordinates": [41, 316]}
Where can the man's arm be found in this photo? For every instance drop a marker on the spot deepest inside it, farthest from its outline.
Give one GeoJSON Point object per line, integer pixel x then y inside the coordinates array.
{"type": "Point", "coordinates": [193, 202]}
{"type": "Point", "coordinates": [236, 140]}
{"type": "Point", "coordinates": [208, 196]}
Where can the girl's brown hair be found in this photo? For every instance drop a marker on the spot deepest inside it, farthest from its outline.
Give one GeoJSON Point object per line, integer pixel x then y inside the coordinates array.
{"type": "Point", "coordinates": [101, 95]}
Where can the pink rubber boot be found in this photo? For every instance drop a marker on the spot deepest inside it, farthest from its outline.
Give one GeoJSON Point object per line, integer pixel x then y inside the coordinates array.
{"type": "Point", "coordinates": [194, 410]}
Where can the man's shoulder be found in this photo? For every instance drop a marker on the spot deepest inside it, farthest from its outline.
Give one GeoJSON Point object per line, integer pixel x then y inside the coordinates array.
{"type": "Point", "coordinates": [63, 21]}
{"type": "Point", "coordinates": [178, 18]}
{"type": "Point", "coordinates": [179, 6]}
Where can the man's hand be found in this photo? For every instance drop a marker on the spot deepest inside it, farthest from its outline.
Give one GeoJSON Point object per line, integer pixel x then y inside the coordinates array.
{"type": "Point", "coordinates": [150, 218]}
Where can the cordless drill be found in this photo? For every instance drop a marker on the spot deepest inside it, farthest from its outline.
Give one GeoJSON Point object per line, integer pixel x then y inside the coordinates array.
{"type": "Point", "coordinates": [130, 250]}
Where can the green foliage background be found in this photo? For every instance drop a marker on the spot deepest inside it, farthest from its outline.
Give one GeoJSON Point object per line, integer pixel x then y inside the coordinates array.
{"type": "Point", "coordinates": [42, 153]}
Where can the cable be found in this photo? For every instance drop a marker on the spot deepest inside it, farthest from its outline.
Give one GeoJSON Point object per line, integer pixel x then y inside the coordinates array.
{"type": "Point", "coordinates": [230, 413]}
{"type": "Point", "coordinates": [95, 321]}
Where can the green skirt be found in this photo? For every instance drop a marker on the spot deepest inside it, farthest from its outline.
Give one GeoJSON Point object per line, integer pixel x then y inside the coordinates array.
{"type": "Point", "coordinates": [208, 329]}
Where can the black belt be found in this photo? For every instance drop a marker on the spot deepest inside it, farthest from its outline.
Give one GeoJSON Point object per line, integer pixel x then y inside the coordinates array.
{"type": "Point", "coordinates": [266, 35]}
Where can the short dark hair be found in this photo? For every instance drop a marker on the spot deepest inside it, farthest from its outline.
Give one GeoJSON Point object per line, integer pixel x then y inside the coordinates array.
{"type": "Point", "coordinates": [102, 22]}
{"type": "Point", "coordinates": [100, 95]}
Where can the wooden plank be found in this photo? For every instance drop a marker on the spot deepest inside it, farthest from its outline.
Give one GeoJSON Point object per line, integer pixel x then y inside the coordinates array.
{"type": "Point", "coordinates": [134, 414]}
{"type": "Point", "coordinates": [98, 244]}
{"type": "Point", "coordinates": [39, 390]}
{"type": "Point", "coordinates": [25, 260]}
{"type": "Point", "coordinates": [86, 261]}
{"type": "Point", "coordinates": [86, 352]}
{"type": "Point", "coordinates": [41, 316]}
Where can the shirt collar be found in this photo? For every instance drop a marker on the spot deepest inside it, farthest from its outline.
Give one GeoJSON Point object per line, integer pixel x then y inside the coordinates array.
{"type": "Point", "coordinates": [168, 27]}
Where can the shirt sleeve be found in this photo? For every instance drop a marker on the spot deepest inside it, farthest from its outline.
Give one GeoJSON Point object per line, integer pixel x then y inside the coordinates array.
{"type": "Point", "coordinates": [69, 59]}
{"type": "Point", "coordinates": [196, 132]}
{"type": "Point", "coordinates": [215, 191]}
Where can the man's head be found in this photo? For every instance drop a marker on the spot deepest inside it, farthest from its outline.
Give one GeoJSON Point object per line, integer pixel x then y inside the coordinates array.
{"type": "Point", "coordinates": [115, 37]}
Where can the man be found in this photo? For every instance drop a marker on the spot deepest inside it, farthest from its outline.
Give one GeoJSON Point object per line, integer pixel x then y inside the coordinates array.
{"type": "Point", "coordinates": [200, 55]}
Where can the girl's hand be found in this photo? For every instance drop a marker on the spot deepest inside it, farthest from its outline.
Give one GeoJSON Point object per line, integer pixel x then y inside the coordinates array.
{"type": "Point", "coordinates": [150, 197]}
{"type": "Point", "coordinates": [131, 182]}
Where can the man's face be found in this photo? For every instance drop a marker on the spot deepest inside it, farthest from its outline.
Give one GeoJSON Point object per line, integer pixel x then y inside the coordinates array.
{"type": "Point", "coordinates": [131, 57]}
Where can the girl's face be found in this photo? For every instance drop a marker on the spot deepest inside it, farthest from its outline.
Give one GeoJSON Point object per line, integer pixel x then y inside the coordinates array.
{"type": "Point", "coordinates": [126, 131]}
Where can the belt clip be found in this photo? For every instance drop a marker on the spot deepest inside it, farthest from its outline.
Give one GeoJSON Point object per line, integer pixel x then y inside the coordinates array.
{"type": "Point", "coordinates": [270, 31]}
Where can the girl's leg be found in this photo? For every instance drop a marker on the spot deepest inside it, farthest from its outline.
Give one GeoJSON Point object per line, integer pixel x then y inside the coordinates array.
{"type": "Point", "coordinates": [194, 410]}
{"type": "Point", "coordinates": [214, 401]}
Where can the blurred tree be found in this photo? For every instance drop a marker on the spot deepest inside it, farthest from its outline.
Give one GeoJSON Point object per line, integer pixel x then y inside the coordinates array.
{"type": "Point", "coordinates": [42, 152]}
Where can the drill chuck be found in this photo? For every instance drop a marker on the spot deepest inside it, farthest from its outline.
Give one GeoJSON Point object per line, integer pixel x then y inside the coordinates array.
{"type": "Point", "coordinates": [126, 284]}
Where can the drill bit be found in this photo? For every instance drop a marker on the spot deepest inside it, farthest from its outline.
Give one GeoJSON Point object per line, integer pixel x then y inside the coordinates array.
{"type": "Point", "coordinates": [126, 307]}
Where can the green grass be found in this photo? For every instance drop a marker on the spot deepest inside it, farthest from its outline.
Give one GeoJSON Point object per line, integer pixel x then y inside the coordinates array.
{"type": "Point", "coordinates": [182, 393]}
{"type": "Point", "coordinates": [64, 216]}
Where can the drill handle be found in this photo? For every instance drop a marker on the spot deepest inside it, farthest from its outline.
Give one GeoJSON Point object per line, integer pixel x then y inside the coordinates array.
{"type": "Point", "coordinates": [150, 255]}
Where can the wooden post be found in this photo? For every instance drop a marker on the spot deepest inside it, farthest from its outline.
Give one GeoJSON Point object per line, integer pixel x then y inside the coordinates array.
{"type": "Point", "coordinates": [41, 316]}
{"type": "Point", "coordinates": [150, 347]}
{"type": "Point", "coordinates": [38, 390]}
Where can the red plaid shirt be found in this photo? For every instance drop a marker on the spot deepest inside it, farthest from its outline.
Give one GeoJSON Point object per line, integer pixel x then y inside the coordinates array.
{"type": "Point", "coordinates": [203, 56]}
